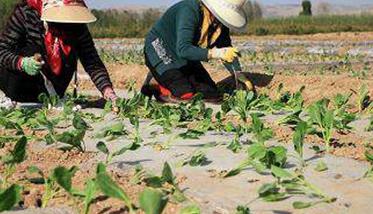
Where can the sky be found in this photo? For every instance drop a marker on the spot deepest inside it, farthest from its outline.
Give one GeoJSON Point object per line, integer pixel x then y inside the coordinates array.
{"type": "Point", "coordinates": [159, 3]}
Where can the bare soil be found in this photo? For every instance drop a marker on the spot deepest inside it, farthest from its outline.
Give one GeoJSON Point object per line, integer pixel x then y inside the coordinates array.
{"type": "Point", "coordinates": [317, 86]}
{"type": "Point", "coordinates": [50, 158]}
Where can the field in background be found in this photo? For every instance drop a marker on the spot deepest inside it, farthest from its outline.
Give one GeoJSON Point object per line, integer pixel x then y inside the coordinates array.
{"type": "Point", "coordinates": [130, 24]}
{"type": "Point", "coordinates": [115, 24]}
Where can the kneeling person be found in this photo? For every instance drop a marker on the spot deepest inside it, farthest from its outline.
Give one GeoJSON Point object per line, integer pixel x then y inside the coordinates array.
{"type": "Point", "coordinates": [40, 47]}
{"type": "Point", "coordinates": [190, 32]}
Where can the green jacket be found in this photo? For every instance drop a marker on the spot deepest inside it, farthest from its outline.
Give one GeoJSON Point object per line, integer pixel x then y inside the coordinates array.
{"type": "Point", "coordinates": [173, 40]}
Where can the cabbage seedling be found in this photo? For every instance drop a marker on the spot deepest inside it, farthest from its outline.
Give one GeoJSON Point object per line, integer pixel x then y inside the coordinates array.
{"type": "Point", "coordinates": [294, 184]}
{"type": "Point", "coordinates": [298, 141]}
{"type": "Point", "coordinates": [101, 146]}
{"type": "Point", "coordinates": [16, 156]}
{"type": "Point", "coordinates": [110, 188]}
{"type": "Point", "coordinates": [112, 132]}
{"type": "Point", "coordinates": [152, 201]}
{"type": "Point", "coordinates": [261, 158]}
{"type": "Point", "coordinates": [261, 133]}
{"type": "Point", "coordinates": [10, 197]}
{"type": "Point", "coordinates": [321, 116]}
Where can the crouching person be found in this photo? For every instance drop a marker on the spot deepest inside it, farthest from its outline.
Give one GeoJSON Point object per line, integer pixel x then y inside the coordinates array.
{"type": "Point", "coordinates": [40, 47]}
{"type": "Point", "coordinates": [190, 32]}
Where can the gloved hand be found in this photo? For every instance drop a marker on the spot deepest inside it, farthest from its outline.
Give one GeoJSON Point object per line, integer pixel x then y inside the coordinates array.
{"type": "Point", "coordinates": [110, 95]}
{"type": "Point", "coordinates": [30, 66]}
{"type": "Point", "coordinates": [225, 54]}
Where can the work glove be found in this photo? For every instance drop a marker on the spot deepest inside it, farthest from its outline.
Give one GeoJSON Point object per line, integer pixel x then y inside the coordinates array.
{"type": "Point", "coordinates": [236, 71]}
{"type": "Point", "coordinates": [31, 66]}
{"type": "Point", "coordinates": [110, 95]}
{"type": "Point", "coordinates": [225, 54]}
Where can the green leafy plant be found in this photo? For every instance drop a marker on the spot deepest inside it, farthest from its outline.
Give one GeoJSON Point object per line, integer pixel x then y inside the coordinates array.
{"type": "Point", "coordinates": [51, 186]}
{"type": "Point", "coordinates": [167, 118]}
{"type": "Point", "coordinates": [166, 182]}
{"type": "Point", "coordinates": [61, 179]}
{"type": "Point", "coordinates": [190, 209]}
{"type": "Point", "coordinates": [321, 166]}
{"type": "Point", "coordinates": [74, 139]}
{"type": "Point", "coordinates": [8, 124]}
{"type": "Point", "coordinates": [136, 136]}
{"type": "Point", "coordinates": [152, 201]}
{"type": "Point", "coordinates": [112, 132]}
{"type": "Point", "coordinates": [369, 158]}
{"type": "Point", "coordinates": [341, 116]}
{"type": "Point", "coordinates": [110, 188]}
{"type": "Point", "coordinates": [102, 147]}
{"type": "Point", "coordinates": [290, 184]}
{"type": "Point", "coordinates": [241, 103]}
{"type": "Point", "coordinates": [16, 156]}
{"type": "Point", "coordinates": [49, 101]}
{"type": "Point", "coordinates": [243, 210]}
{"type": "Point", "coordinates": [363, 100]}
{"type": "Point", "coordinates": [291, 119]}
{"type": "Point", "coordinates": [235, 145]}
{"type": "Point", "coordinates": [90, 193]}
{"type": "Point", "coordinates": [261, 158]}
{"type": "Point", "coordinates": [201, 127]}
{"type": "Point", "coordinates": [298, 141]}
{"type": "Point", "coordinates": [198, 158]}
{"type": "Point", "coordinates": [10, 197]}
{"type": "Point", "coordinates": [261, 133]}
{"type": "Point", "coordinates": [323, 118]}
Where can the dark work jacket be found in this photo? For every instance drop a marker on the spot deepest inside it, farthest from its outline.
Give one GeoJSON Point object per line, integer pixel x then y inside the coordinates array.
{"type": "Point", "coordinates": [173, 40]}
{"type": "Point", "coordinates": [24, 36]}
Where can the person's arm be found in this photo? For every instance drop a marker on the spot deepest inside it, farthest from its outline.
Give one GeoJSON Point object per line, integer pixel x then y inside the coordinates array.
{"type": "Point", "coordinates": [13, 33]}
{"type": "Point", "coordinates": [92, 62]}
{"type": "Point", "coordinates": [187, 26]}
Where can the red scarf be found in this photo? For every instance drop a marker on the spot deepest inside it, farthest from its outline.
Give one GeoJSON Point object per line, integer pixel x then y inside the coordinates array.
{"type": "Point", "coordinates": [54, 41]}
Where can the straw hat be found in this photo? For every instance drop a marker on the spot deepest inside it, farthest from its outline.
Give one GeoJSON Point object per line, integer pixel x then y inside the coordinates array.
{"type": "Point", "coordinates": [230, 13]}
{"type": "Point", "coordinates": [66, 11]}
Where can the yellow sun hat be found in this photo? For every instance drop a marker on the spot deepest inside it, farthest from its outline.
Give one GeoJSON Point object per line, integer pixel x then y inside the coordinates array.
{"type": "Point", "coordinates": [66, 11]}
{"type": "Point", "coordinates": [230, 13]}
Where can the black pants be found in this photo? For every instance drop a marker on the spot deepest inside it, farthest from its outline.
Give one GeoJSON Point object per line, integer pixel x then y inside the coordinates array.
{"type": "Point", "coordinates": [21, 87]}
{"type": "Point", "coordinates": [192, 78]}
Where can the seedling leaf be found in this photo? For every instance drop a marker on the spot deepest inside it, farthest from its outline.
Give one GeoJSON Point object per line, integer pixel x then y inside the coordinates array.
{"type": "Point", "coordinates": [10, 197]}
{"type": "Point", "coordinates": [152, 201]}
{"type": "Point", "coordinates": [302, 205]}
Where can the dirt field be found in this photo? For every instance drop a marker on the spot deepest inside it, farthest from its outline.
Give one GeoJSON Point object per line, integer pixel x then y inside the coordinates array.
{"type": "Point", "coordinates": [349, 144]}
